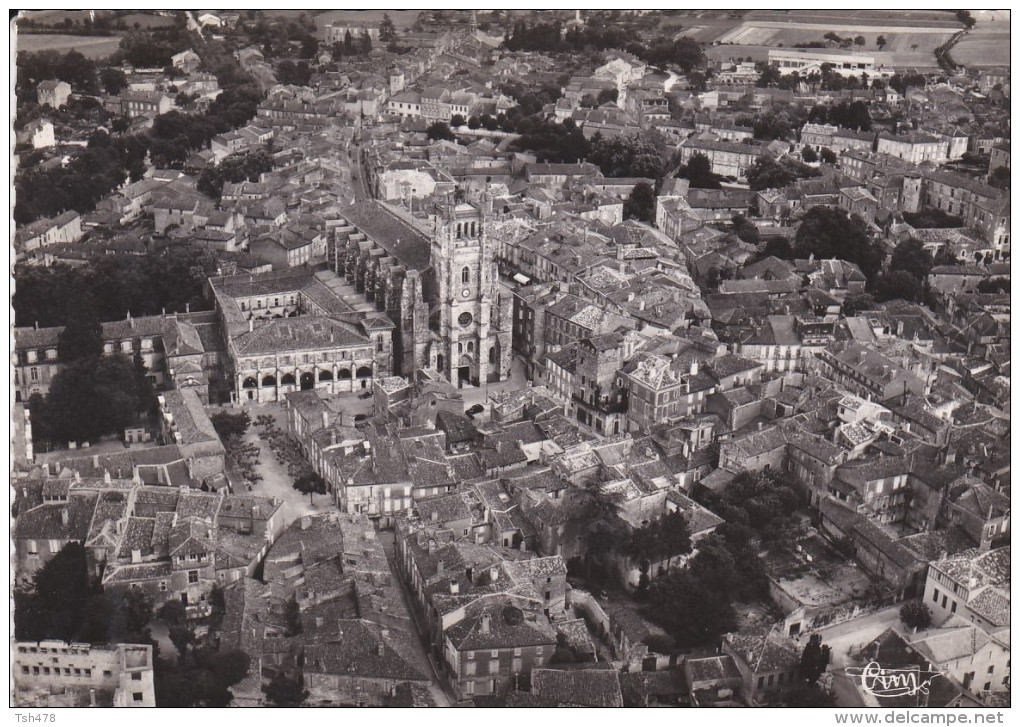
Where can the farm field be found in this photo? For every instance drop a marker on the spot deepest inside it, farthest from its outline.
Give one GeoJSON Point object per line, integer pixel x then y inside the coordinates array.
{"type": "Point", "coordinates": [987, 49]}
{"type": "Point", "coordinates": [987, 43]}
{"type": "Point", "coordinates": [145, 20]}
{"type": "Point", "coordinates": [90, 46]}
{"type": "Point", "coordinates": [899, 39]}
{"type": "Point", "coordinates": [856, 18]}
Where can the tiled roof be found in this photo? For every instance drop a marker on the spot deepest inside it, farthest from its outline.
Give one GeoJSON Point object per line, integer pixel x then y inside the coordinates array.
{"type": "Point", "coordinates": [764, 652]}
{"type": "Point", "coordinates": [304, 333]}
{"type": "Point", "coordinates": [580, 687]}
{"type": "Point", "coordinates": [402, 241]}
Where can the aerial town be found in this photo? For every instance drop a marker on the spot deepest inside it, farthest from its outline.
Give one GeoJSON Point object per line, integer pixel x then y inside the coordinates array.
{"type": "Point", "coordinates": [594, 358]}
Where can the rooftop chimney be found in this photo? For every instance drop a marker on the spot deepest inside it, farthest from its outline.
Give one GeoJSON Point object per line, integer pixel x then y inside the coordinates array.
{"type": "Point", "coordinates": [251, 325]}
{"type": "Point", "coordinates": [486, 625]}
{"type": "Point", "coordinates": [64, 517]}
{"type": "Point", "coordinates": [95, 460]}
{"type": "Point", "coordinates": [440, 566]}
{"type": "Point", "coordinates": [306, 522]}
{"type": "Point", "coordinates": [381, 649]}
{"type": "Point", "coordinates": [325, 420]}
{"type": "Point", "coordinates": [454, 588]}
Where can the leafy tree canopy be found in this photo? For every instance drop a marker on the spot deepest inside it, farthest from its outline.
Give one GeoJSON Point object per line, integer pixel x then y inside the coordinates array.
{"type": "Point", "coordinates": [827, 233]}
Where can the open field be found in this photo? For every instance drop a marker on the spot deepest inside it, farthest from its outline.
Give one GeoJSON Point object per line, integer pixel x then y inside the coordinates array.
{"type": "Point", "coordinates": [147, 21]}
{"type": "Point", "coordinates": [988, 49]}
{"type": "Point", "coordinates": [987, 43]}
{"type": "Point", "coordinates": [787, 34]}
{"type": "Point", "coordinates": [90, 46]}
{"type": "Point", "coordinates": [911, 35]}
{"type": "Point", "coordinates": [857, 18]}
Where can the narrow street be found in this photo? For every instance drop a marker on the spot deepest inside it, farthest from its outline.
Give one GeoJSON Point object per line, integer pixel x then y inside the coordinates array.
{"type": "Point", "coordinates": [439, 694]}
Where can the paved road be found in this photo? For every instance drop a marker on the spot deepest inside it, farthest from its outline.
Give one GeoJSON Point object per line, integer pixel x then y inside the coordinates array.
{"type": "Point", "coordinates": [850, 636]}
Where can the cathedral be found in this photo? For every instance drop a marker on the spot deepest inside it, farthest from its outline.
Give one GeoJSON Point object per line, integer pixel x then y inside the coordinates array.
{"type": "Point", "coordinates": [441, 288]}
{"type": "Point", "coordinates": [399, 296]}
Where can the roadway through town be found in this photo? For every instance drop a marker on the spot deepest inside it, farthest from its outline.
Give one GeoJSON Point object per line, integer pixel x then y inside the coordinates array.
{"type": "Point", "coordinates": [850, 636]}
{"type": "Point", "coordinates": [436, 683]}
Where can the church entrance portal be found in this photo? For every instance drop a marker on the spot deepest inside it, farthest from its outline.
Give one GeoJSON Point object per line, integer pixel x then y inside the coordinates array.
{"type": "Point", "coordinates": [463, 376]}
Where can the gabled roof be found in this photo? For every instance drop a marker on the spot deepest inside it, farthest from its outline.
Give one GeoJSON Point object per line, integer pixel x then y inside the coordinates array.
{"type": "Point", "coordinates": [303, 333]}
{"type": "Point", "coordinates": [578, 687]}
{"type": "Point", "coordinates": [362, 650]}
{"type": "Point", "coordinates": [499, 624]}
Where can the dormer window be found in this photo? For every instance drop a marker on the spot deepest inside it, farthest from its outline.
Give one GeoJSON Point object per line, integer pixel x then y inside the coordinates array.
{"type": "Point", "coordinates": [32, 357]}
{"type": "Point", "coordinates": [51, 354]}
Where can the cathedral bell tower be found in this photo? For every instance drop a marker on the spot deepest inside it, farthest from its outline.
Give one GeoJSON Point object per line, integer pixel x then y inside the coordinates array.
{"type": "Point", "coordinates": [472, 346]}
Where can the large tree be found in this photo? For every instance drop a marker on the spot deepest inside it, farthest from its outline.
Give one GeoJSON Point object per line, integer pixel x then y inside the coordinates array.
{"type": "Point", "coordinates": [690, 610]}
{"type": "Point", "coordinates": [814, 659]}
{"type": "Point", "coordinates": [1000, 177]}
{"type": "Point", "coordinates": [911, 257]}
{"type": "Point", "coordinates": [91, 398]}
{"type": "Point", "coordinates": [915, 615]}
{"type": "Point", "coordinates": [82, 336]}
{"type": "Point", "coordinates": [828, 232]}
{"type": "Point", "coordinates": [640, 203]}
{"type": "Point", "coordinates": [230, 424]}
{"type": "Point", "coordinates": [387, 31]}
{"type": "Point", "coordinates": [310, 484]}
{"type": "Point", "coordinates": [698, 170]}
{"type": "Point", "coordinates": [767, 173]}
{"type": "Point", "coordinates": [285, 691]}
{"type": "Point", "coordinates": [438, 130]}
{"type": "Point", "coordinates": [53, 608]}
{"type": "Point", "coordinates": [896, 285]}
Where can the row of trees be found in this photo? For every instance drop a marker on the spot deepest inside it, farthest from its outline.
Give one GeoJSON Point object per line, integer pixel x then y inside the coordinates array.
{"type": "Point", "coordinates": [351, 46]}
{"type": "Point", "coordinates": [684, 53]}
{"type": "Point", "coordinates": [114, 285]}
{"type": "Point", "coordinates": [71, 67]}
{"type": "Point", "coordinates": [848, 114]}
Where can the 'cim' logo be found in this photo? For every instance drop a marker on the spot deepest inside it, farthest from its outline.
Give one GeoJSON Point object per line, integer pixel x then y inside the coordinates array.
{"type": "Point", "coordinates": [882, 682]}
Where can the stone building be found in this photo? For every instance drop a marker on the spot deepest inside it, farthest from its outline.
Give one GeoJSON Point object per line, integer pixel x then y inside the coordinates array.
{"type": "Point", "coordinates": [61, 674]}
{"type": "Point", "coordinates": [439, 286]}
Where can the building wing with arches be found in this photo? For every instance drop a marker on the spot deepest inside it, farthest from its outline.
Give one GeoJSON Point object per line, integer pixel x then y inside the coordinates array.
{"type": "Point", "coordinates": [299, 329]}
